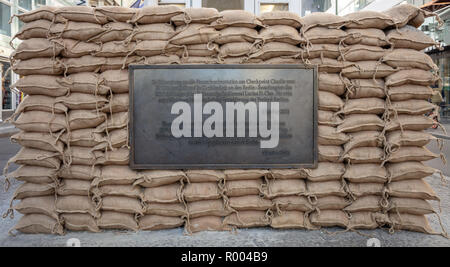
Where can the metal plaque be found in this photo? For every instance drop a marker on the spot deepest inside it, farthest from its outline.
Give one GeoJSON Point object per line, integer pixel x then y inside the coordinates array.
{"type": "Point", "coordinates": [223, 116]}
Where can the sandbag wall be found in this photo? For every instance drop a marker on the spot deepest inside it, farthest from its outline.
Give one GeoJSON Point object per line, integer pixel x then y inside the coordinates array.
{"type": "Point", "coordinates": [373, 91]}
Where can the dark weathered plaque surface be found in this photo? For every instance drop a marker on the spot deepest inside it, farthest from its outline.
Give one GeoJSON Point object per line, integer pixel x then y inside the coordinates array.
{"type": "Point", "coordinates": [162, 96]}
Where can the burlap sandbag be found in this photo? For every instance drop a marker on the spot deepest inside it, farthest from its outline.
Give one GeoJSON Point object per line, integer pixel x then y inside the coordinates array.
{"type": "Point", "coordinates": [34, 174]}
{"type": "Point", "coordinates": [409, 122]}
{"type": "Point", "coordinates": [362, 88]}
{"type": "Point", "coordinates": [365, 155]}
{"type": "Point", "coordinates": [122, 204]}
{"type": "Point", "coordinates": [40, 121]}
{"type": "Point", "coordinates": [82, 101]}
{"type": "Point", "coordinates": [372, 36]}
{"type": "Point", "coordinates": [82, 155]}
{"type": "Point", "coordinates": [119, 156]}
{"type": "Point", "coordinates": [243, 187]}
{"type": "Point", "coordinates": [76, 204]}
{"type": "Point", "coordinates": [408, 170]}
{"type": "Point", "coordinates": [368, 19]}
{"type": "Point", "coordinates": [276, 49]}
{"type": "Point", "coordinates": [118, 138]}
{"type": "Point", "coordinates": [114, 121]}
{"type": "Point", "coordinates": [115, 31]}
{"type": "Point", "coordinates": [115, 49]}
{"type": "Point", "coordinates": [194, 34]}
{"type": "Point", "coordinates": [366, 189]}
{"type": "Point", "coordinates": [366, 203]}
{"type": "Point", "coordinates": [27, 190]}
{"type": "Point", "coordinates": [281, 18]}
{"type": "Point", "coordinates": [332, 51]}
{"type": "Point", "coordinates": [319, 19]}
{"type": "Point", "coordinates": [82, 14]}
{"type": "Point", "coordinates": [168, 210]}
{"type": "Point", "coordinates": [364, 139]}
{"type": "Point", "coordinates": [117, 221]}
{"type": "Point", "coordinates": [84, 82]}
{"type": "Point", "coordinates": [409, 138]}
{"type": "Point", "coordinates": [326, 171]}
{"type": "Point", "coordinates": [237, 49]}
{"type": "Point", "coordinates": [37, 48]}
{"type": "Point", "coordinates": [410, 38]}
{"type": "Point", "coordinates": [34, 29]}
{"type": "Point", "coordinates": [280, 33]}
{"type": "Point", "coordinates": [410, 91]}
{"type": "Point", "coordinates": [131, 191]}
{"type": "Point", "coordinates": [117, 63]}
{"type": "Point", "coordinates": [361, 52]}
{"type": "Point", "coordinates": [36, 157]}
{"type": "Point", "coordinates": [288, 203]}
{"type": "Point", "coordinates": [153, 32]}
{"type": "Point", "coordinates": [247, 219]}
{"type": "Point", "coordinates": [202, 50]}
{"type": "Point", "coordinates": [289, 220]}
{"type": "Point", "coordinates": [86, 63]}
{"type": "Point", "coordinates": [117, 13]}
{"type": "Point", "coordinates": [236, 18]}
{"type": "Point", "coordinates": [201, 191]}
{"type": "Point", "coordinates": [84, 137]}
{"type": "Point", "coordinates": [155, 178]}
{"type": "Point", "coordinates": [40, 85]}
{"type": "Point", "coordinates": [330, 65]}
{"type": "Point", "coordinates": [38, 205]}
{"type": "Point", "coordinates": [75, 48]}
{"type": "Point", "coordinates": [406, 13]}
{"type": "Point", "coordinates": [117, 80]}
{"type": "Point", "coordinates": [323, 189]}
{"type": "Point", "coordinates": [167, 59]}
{"type": "Point", "coordinates": [330, 136]}
{"type": "Point", "coordinates": [196, 15]}
{"type": "Point", "coordinates": [361, 122]}
{"type": "Point", "coordinates": [413, 76]}
{"type": "Point", "coordinates": [40, 103]}
{"type": "Point", "coordinates": [206, 223]}
{"type": "Point", "coordinates": [80, 172]}
{"type": "Point", "coordinates": [364, 106]}
{"type": "Point", "coordinates": [43, 12]}
{"type": "Point", "coordinates": [203, 176]}
{"type": "Point", "coordinates": [331, 203]}
{"type": "Point", "coordinates": [74, 187]}
{"type": "Point", "coordinates": [166, 194]}
{"type": "Point", "coordinates": [38, 66]}
{"type": "Point", "coordinates": [156, 14]}
{"type": "Point", "coordinates": [80, 222]}
{"type": "Point", "coordinates": [411, 153]}
{"type": "Point", "coordinates": [250, 203]}
{"type": "Point", "coordinates": [237, 174]}
{"type": "Point", "coordinates": [82, 31]}
{"type": "Point", "coordinates": [38, 224]}
{"type": "Point", "coordinates": [43, 141]}
{"type": "Point", "coordinates": [329, 118]}
{"type": "Point", "coordinates": [330, 153]}
{"type": "Point", "coordinates": [412, 107]}
{"type": "Point", "coordinates": [367, 70]}
{"type": "Point", "coordinates": [329, 101]}
{"type": "Point", "coordinates": [116, 175]}
{"type": "Point", "coordinates": [207, 208]}
{"type": "Point", "coordinates": [411, 222]}
{"type": "Point", "coordinates": [329, 218]}
{"type": "Point", "coordinates": [415, 188]}
{"type": "Point", "coordinates": [332, 83]}
{"type": "Point", "coordinates": [409, 58]}
{"type": "Point", "coordinates": [287, 174]}
{"type": "Point", "coordinates": [279, 188]}
{"type": "Point", "coordinates": [410, 206]}
{"type": "Point", "coordinates": [237, 35]}
{"type": "Point", "coordinates": [367, 220]}
{"type": "Point", "coordinates": [200, 60]}
{"type": "Point", "coordinates": [323, 35]}
{"type": "Point", "coordinates": [82, 119]}
{"type": "Point", "coordinates": [156, 222]}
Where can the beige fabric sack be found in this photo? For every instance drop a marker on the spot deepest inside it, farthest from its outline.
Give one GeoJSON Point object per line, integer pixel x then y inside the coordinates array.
{"type": "Point", "coordinates": [117, 63]}
{"type": "Point", "coordinates": [372, 36]}
{"type": "Point", "coordinates": [330, 65]}
{"type": "Point", "coordinates": [330, 153]}
{"type": "Point", "coordinates": [166, 194]}
{"type": "Point", "coordinates": [280, 188]}
{"type": "Point", "coordinates": [38, 224]}
{"type": "Point", "coordinates": [250, 203]}
{"type": "Point", "coordinates": [332, 83]}
{"type": "Point", "coordinates": [154, 32]}
{"type": "Point", "coordinates": [156, 14]}
{"type": "Point", "coordinates": [42, 141]}
{"type": "Point", "coordinates": [28, 190]}
{"type": "Point", "coordinates": [86, 63]}
{"type": "Point", "coordinates": [331, 203]}
{"type": "Point", "coordinates": [196, 15]}
{"type": "Point", "coordinates": [366, 189]}
{"type": "Point", "coordinates": [34, 29]}
{"type": "Point", "coordinates": [194, 34]}
{"type": "Point", "coordinates": [201, 191]}
{"type": "Point", "coordinates": [247, 219]}
{"type": "Point", "coordinates": [320, 19]}
{"type": "Point", "coordinates": [82, 31]}
{"type": "Point", "coordinates": [322, 50]}
{"type": "Point", "coordinates": [368, 70]}
{"type": "Point", "coordinates": [121, 204]}
{"type": "Point", "coordinates": [156, 222]}
{"type": "Point", "coordinates": [84, 82]}
{"type": "Point", "coordinates": [117, 221]}
{"type": "Point", "coordinates": [280, 33]}
{"type": "Point", "coordinates": [37, 48]}
{"type": "Point", "coordinates": [237, 35]}
{"type": "Point", "coordinates": [38, 205]}
{"type": "Point", "coordinates": [410, 222]}
{"type": "Point", "coordinates": [34, 174]}
{"type": "Point", "coordinates": [410, 91]}
{"type": "Point", "coordinates": [114, 31]}
{"type": "Point", "coordinates": [118, 190]}
{"type": "Point", "coordinates": [202, 50]}
{"type": "Point", "coordinates": [406, 13]}
{"type": "Point", "coordinates": [115, 49]}
{"type": "Point", "coordinates": [409, 58]}
{"type": "Point", "coordinates": [167, 210]}
{"type": "Point", "coordinates": [330, 136]}
{"type": "Point", "coordinates": [84, 137]}
{"type": "Point", "coordinates": [204, 176]}
{"type": "Point", "coordinates": [43, 12]}
{"type": "Point", "coordinates": [287, 173]}
{"type": "Point", "coordinates": [38, 66]}
{"type": "Point", "coordinates": [114, 121]}
{"type": "Point", "coordinates": [80, 172]}
{"type": "Point", "coordinates": [288, 203]}
{"type": "Point", "coordinates": [416, 188]}
{"type": "Point", "coordinates": [367, 220]}
{"type": "Point", "coordinates": [207, 208]}
{"type": "Point", "coordinates": [329, 101]}
{"type": "Point", "coordinates": [366, 173]}
{"type": "Point", "coordinates": [364, 106]}
{"type": "Point", "coordinates": [323, 35]}
{"type": "Point", "coordinates": [409, 138]}
{"type": "Point", "coordinates": [412, 107]}
{"type": "Point", "coordinates": [119, 156]}
{"type": "Point", "coordinates": [40, 103]}
{"type": "Point", "coordinates": [82, 101]}
{"type": "Point", "coordinates": [75, 48]}
{"type": "Point", "coordinates": [118, 138]}
{"type": "Point", "coordinates": [40, 121]}
{"type": "Point", "coordinates": [410, 38]}
{"type": "Point", "coordinates": [167, 59]}
{"type": "Point", "coordinates": [413, 76]}
{"type": "Point", "coordinates": [82, 119]}
{"type": "Point", "coordinates": [75, 187]}
{"type": "Point", "coordinates": [117, 80]}
{"type": "Point", "coordinates": [117, 13]}
{"type": "Point", "coordinates": [329, 118]}
{"type": "Point", "coordinates": [364, 88]}
{"type": "Point", "coordinates": [236, 18]}
{"type": "Point", "coordinates": [365, 155]}
{"type": "Point", "coordinates": [116, 175]}
{"type": "Point", "coordinates": [235, 174]}
{"type": "Point", "coordinates": [361, 52]}
{"type": "Point", "coordinates": [323, 189]}
{"type": "Point", "coordinates": [361, 122]}
{"type": "Point", "coordinates": [281, 18]}
{"type": "Point", "coordinates": [80, 222]}
{"type": "Point", "coordinates": [76, 204]}
{"type": "Point", "coordinates": [155, 178]}
{"type": "Point", "coordinates": [276, 49]}
{"type": "Point", "coordinates": [329, 218]}
{"type": "Point", "coordinates": [36, 157]}
{"type": "Point", "coordinates": [207, 223]}
{"type": "Point", "coordinates": [40, 85]}
{"type": "Point", "coordinates": [368, 19]}
{"type": "Point", "coordinates": [411, 206]}
{"type": "Point", "coordinates": [237, 49]}
{"type": "Point", "coordinates": [199, 60]}
{"type": "Point", "coordinates": [366, 203]}
{"type": "Point", "coordinates": [364, 139]}
{"type": "Point", "coordinates": [243, 187]}
{"type": "Point", "coordinates": [289, 220]}
{"type": "Point", "coordinates": [411, 153]}
{"type": "Point", "coordinates": [409, 122]}
{"type": "Point", "coordinates": [82, 155]}
{"type": "Point", "coordinates": [82, 14]}
{"type": "Point", "coordinates": [326, 171]}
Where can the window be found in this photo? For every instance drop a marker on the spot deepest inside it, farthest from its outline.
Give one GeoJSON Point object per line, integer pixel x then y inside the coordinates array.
{"type": "Point", "coordinates": [179, 3]}
{"type": "Point", "coordinates": [6, 83]}
{"type": "Point", "coordinates": [311, 6]}
{"type": "Point", "coordinates": [274, 7]}
{"type": "Point", "coordinates": [224, 5]}
{"type": "Point", "coordinates": [39, 3]}
{"type": "Point", "coordinates": [5, 12]}
{"type": "Point", "coordinates": [20, 22]}
{"type": "Point", "coordinates": [27, 4]}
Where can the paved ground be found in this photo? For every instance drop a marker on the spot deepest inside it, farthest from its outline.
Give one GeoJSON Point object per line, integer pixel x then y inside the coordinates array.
{"type": "Point", "coordinates": [250, 238]}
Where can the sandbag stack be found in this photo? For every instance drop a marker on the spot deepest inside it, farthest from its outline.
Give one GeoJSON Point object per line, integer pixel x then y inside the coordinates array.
{"type": "Point", "coordinates": [373, 83]}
